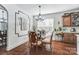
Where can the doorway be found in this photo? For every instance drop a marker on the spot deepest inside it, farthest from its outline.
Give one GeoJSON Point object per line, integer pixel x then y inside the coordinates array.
{"type": "Point", "coordinates": [3, 27]}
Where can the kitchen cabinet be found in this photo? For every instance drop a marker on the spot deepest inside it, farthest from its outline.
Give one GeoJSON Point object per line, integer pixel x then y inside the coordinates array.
{"type": "Point", "coordinates": [67, 21]}
{"type": "Point", "coordinates": [71, 19]}
{"type": "Point", "coordinates": [69, 38]}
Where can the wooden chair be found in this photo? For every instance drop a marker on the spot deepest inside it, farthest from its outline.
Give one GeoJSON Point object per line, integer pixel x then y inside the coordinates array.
{"type": "Point", "coordinates": [33, 40]}
{"type": "Point", "coordinates": [48, 40]}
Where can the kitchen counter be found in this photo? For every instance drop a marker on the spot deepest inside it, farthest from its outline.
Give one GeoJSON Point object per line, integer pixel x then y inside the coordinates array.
{"type": "Point", "coordinates": [66, 32]}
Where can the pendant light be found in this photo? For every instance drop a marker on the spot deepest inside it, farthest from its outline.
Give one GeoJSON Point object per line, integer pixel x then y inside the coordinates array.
{"type": "Point", "coordinates": [39, 16]}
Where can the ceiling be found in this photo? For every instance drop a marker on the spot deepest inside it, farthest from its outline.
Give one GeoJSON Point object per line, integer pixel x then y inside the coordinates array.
{"type": "Point", "coordinates": [46, 8]}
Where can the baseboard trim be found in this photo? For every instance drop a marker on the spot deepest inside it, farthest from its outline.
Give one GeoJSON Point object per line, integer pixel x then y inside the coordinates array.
{"type": "Point", "coordinates": [13, 47]}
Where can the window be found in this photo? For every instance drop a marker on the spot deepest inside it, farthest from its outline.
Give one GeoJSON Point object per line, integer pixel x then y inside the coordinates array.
{"type": "Point", "coordinates": [3, 18]}
{"type": "Point", "coordinates": [46, 25]}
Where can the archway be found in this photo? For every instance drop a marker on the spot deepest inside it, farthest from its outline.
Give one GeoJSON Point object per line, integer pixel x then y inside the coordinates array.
{"type": "Point", "coordinates": [3, 26]}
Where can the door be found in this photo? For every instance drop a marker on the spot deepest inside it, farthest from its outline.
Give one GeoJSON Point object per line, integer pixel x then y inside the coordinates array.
{"type": "Point", "coordinates": [3, 26]}
{"type": "Point", "coordinates": [67, 21]}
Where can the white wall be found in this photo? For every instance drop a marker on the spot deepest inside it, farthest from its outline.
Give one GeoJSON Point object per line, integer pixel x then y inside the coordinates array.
{"type": "Point", "coordinates": [13, 39]}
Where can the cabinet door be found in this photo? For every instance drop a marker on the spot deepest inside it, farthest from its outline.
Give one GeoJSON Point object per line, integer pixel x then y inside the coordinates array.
{"type": "Point", "coordinates": [67, 21]}
{"type": "Point", "coordinates": [69, 38]}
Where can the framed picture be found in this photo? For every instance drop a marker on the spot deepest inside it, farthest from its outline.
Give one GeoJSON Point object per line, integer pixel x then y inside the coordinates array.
{"type": "Point", "coordinates": [21, 23]}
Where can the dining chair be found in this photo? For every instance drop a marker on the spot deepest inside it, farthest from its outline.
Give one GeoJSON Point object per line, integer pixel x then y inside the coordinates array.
{"type": "Point", "coordinates": [34, 41]}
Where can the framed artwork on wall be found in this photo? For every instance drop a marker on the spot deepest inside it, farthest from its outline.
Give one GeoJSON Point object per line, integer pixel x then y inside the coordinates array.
{"type": "Point", "coordinates": [21, 23]}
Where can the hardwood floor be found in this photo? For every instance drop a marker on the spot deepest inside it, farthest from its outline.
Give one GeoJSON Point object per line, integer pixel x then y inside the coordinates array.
{"type": "Point", "coordinates": [59, 48]}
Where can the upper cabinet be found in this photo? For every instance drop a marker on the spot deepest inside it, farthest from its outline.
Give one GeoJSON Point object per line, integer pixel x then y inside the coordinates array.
{"type": "Point", "coordinates": [71, 19]}
{"type": "Point", "coordinates": [67, 21]}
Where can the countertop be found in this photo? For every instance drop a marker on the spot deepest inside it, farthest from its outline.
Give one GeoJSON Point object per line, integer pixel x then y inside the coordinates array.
{"type": "Point", "coordinates": [66, 32]}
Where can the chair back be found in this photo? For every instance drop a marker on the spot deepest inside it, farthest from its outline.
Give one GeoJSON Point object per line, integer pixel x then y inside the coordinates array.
{"type": "Point", "coordinates": [51, 37]}
{"type": "Point", "coordinates": [32, 37]}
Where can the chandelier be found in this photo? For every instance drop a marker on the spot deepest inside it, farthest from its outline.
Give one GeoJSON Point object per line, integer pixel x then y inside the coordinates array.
{"type": "Point", "coordinates": [39, 16]}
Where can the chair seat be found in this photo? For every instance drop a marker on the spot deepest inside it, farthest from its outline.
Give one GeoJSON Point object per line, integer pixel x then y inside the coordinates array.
{"type": "Point", "coordinates": [38, 43]}
{"type": "Point", "coordinates": [33, 43]}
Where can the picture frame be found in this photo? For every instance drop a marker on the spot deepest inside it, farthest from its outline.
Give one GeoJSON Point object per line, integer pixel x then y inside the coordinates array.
{"type": "Point", "coordinates": [21, 23]}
